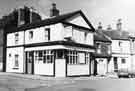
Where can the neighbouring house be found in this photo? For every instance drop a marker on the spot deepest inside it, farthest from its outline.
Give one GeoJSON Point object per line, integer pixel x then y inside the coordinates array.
{"type": "Point", "coordinates": [102, 54]}
{"type": "Point", "coordinates": [59, 46]}
{"type": "Point", "coordinates": [121, 49]}
{"type": "Point", "coordinates": [14, 19]}
{"type": "Point", "coordinates": [132, 52]}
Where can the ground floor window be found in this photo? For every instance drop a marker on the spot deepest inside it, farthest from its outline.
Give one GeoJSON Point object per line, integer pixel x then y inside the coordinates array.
{"type": "Point", "coordinates": [123, 60]}
{"type": "Point", "coordinates": [44, 56]}
{"type": "Point", "coordinates": [16, 64]}
{"type": "Point", "coordinates": [87, 57]}
{"type": "Point", "coordinates": [76, 57]}
{"type": "Point", "coordinates": [72, 57]}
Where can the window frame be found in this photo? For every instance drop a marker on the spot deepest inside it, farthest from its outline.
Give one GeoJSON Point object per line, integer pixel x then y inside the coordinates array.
{"type": "Point", "coordinates": [31, 34]}
{"type": "Point", "coordinates": [16, 37]}
{"type": "Point", "coordinates": [16, 61]}
{"type": "Point", "coordinates": [47, 34]}
{"type": "Point", "coordinates": [123, 60]}
{"type": "Point", "coordinates": [46, 57]}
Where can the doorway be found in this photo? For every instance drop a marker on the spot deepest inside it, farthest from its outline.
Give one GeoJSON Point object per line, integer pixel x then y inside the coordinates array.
{"type": "Point", "coordinates": [30, 62]}
{"type": "Point", "coordinates": [115, 64]}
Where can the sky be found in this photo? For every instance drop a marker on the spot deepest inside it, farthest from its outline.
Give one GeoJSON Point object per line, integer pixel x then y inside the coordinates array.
{"type": "Point", "coordinates": [105, 11]}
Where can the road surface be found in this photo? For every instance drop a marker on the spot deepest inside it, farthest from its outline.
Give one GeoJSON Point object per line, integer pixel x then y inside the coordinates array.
{"type": "Point", "coordinates": [14, 83]}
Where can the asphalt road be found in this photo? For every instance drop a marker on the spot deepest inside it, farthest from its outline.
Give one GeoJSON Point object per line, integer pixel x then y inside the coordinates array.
{"type": "Point", "coordinates": [11, 83]}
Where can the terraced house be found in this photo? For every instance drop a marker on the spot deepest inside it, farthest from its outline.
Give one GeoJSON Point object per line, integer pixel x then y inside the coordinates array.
{"type": "Point", "coordinates": [102, 54]}
{"type": "Point", "coordinates": [58, 46]}
{"type": "Point", "coordinates": [122, 49]}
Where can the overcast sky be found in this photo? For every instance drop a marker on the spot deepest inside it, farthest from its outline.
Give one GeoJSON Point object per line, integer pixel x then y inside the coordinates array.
{"type": "Point", "coordinates": [105, 11]}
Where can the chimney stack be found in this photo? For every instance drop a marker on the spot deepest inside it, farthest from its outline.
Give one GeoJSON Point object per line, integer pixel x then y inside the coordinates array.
{"type": "Point", "coordinates": [119, 25]}
{"type": "Point", "coordinates": [100, 26]}
{"type": "Point", "coordinates": [109, 27]}
{"type": "Point", "coordinates": [54, 11]}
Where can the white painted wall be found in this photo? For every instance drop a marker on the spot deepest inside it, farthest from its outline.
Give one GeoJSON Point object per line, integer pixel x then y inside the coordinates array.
{"type": "Point", "coordinates": [57, 32]}
{"type": "Point", "coordinates": [39, 34]}
{"type": "Point", "coordinates": [11, 60]}
{"type": "Point", "coordinates": [126, 66]}
{"type": "Point", "coordinates": [11, 39]}
{"type": "Point", "coordinates": [78, 36]}
{"type": "Point", "coordinates": [78, 69]}
{"type": "Point", "coordinates": [78, 20]}
{"type": "Point", "coordinates": [60, 68]}
{"type": "Point", "coordinates": [43, 69]}
{"type": "Point", "coordinates": [101, 66]}
{"type": "Point", "coordinates": [125, 46]}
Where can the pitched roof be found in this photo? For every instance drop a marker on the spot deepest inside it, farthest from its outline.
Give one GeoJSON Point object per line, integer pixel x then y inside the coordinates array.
{"type": "Point", "coordinates": [53, 20]}
{"type": "Point", "coordinates": [117, 34]}
{"type": "Point", "coordinates": [99, 36]}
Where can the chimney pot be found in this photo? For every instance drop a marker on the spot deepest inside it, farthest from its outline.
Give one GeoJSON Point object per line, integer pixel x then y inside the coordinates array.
{"type": "Point", "coordinates": [119, 25]}
{"type": "Point", "coordinates": [109, 27]}
{"type": "Point", "coordinates": [99, 25]}
{"type": "Point", "coordinates": [54, 11]}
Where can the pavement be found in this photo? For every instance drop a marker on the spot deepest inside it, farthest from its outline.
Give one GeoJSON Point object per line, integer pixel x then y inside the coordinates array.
{"type": "Point", "coordinates": [27, 82]}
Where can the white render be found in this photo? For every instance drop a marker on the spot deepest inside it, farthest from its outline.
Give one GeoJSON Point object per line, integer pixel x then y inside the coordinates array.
{"type": "Point", "coordinates": [44, 69]}
{"type": "Point", "coordinates": [82, 69]}
{"type": "Point", "coordinates": [60, 67]}
{"type": "Point", "coordinates": [11, 59]}
{"type": "Point", "coordinates": [78, 20]}
{"type": "Point", "coordinates": [121, 51]}
{"type": "Point", "coordinates": [11, 38]}
{"type": "Point", "coordinates": [101, 66]}
{"type": "Point", "coordinates": [57, 33]}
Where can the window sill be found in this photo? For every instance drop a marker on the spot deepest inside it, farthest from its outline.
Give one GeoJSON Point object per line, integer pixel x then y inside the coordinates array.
{"type": "Point", "coordinates": [15, 68]}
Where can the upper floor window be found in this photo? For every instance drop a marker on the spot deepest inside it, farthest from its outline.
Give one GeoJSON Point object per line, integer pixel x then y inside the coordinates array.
{"type": "Point", "coordinates": [85, 36]}
{"type": "Point", "coordinates": [47, 34]}
{"type": "Point", "coordinates": [16, 38]}
{"type": "Point", "coordinates": [30, 34]}
{"type": "Point", "coordinates": [68, 32]}
{"type": "Point", "coordinates": [109, 49]}
{"type": "Point", "coordinates": [120, 43]}
{"type": "Point", "coordinates": [98, 48]}
{"type": "Point", "coordinates": [123, 60]}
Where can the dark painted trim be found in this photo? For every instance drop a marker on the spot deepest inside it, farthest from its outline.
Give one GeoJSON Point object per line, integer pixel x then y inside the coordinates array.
{"type": "Point", "coordinates": [88, 22]}
{"type": "Point", "coordinates": [120, 39]}
{"type": "Point", "coordinates": [54, 63]}
{"type": "Point", "coordinates": [47, 75]}
{"type": "Point", "coordinates": [79, 27]}
{"type": "Point", "coordinates": [90, 63]}
{"type": "Point", "coordinates": [66, 43]}
{"type": "Point", "coordinates": [66, 68]}
{"type": "Point", "coordinates": [26, 65]}
{"type": "Point", "coordinates": [15, 46]}
{"type": "Point", "coordinates": [15, 68]}
{"type": "Point", "coordinates": [33, 62]}
{"type": "Point", "coordinates": [103, 41]}
{"type": "Point", "coordinates": [4, 50]}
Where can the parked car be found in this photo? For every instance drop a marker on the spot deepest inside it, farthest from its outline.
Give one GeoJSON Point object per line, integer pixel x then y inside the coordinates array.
{"type": "Point", "coordinates": [126, 73]}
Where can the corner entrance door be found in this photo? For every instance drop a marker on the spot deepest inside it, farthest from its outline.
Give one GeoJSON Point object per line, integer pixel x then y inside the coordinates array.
{"type": "Point", "coordinates": [30, 62]}
{"type": "Point", "coordinates": [115, 64]}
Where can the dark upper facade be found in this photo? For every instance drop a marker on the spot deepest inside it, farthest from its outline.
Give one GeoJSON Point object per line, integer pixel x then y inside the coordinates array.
{"type": "Point", "coordinates": [17, 18]}
{"type": "Point", "coordinates": [102, 44]}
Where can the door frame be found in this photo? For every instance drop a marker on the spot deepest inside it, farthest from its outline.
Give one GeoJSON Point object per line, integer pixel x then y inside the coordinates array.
{"type": "Point", "coordinates": [26, 62]}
